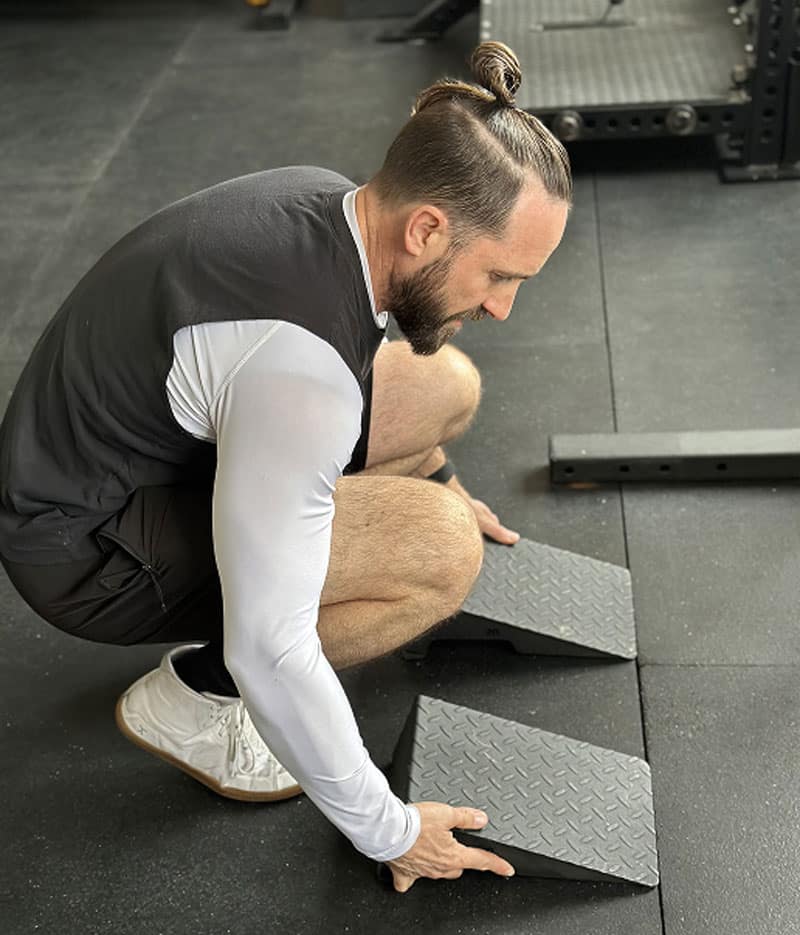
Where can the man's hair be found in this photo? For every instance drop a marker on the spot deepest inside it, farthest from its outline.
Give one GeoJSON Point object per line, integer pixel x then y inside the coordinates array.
{"type": "Point", "coordinates": [469, 149]}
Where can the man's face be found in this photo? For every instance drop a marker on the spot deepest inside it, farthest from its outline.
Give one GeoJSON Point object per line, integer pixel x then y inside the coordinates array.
{"type": "Point", "coordinates": [420, 306]}
{"type": "Point", "coordinates": [479, 280]}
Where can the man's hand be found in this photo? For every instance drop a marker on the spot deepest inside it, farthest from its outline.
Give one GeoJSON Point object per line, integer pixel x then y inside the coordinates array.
{"type": "Point", "coordinates": [436, 853]}
{"type": "Point", "coordinates": [488, 522]}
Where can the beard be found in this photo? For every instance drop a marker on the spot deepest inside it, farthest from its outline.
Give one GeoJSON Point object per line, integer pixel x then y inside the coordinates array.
{"type": "Point", "coordinates": [418, 305]}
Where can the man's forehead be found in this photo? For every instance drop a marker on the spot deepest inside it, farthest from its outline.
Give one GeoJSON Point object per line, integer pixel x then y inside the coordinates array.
{"type": "Point", "coordinates": [536, 208]}
{"type": "Point", "coordinates": [525, 243]}
{"type": "Point", "coordinates": [535, 226]}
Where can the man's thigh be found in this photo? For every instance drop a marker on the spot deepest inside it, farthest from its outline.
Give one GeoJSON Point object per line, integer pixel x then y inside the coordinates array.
{"type": "Point", "coordinates": [393, 536]}
{"type": "Point", "coordinates": [417, 400]}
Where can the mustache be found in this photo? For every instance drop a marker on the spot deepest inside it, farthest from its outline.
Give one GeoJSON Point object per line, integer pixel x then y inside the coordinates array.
{"type": "Point", "coordinates": [473, 314]}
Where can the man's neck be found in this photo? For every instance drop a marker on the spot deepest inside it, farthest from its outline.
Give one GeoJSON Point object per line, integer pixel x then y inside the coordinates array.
{"type": "Point", "coordinates": [375, 239]}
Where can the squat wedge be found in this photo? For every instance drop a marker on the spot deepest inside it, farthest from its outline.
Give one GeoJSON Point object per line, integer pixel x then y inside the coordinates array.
{"type": "Point", "coordinates": [545, 601]}
{"type": "Point", "coordinates": [557, 807]}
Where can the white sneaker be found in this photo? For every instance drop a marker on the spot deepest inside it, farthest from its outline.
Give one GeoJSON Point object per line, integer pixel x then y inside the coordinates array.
{"type": "Point", "coordinates": [210, 737]}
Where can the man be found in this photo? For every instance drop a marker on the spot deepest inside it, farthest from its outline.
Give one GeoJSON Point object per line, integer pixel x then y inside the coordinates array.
{"type": "Point", "coordinates": [217, 384]}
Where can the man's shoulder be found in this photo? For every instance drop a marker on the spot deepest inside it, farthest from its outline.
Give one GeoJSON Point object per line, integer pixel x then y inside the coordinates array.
{"type": "Point", "coordinates": [286, 183]}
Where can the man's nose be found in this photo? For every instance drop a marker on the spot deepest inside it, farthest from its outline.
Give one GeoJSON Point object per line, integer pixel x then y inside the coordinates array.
{"type": "Point", "coordinates": [499, 307]}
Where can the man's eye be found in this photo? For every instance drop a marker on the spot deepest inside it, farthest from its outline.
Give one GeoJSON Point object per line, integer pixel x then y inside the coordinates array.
{"type": "Point", "coordinates": [496, 277]}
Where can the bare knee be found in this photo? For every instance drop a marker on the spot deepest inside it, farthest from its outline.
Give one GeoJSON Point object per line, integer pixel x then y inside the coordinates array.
{"type": "Point", "coordinates": [464, 380]}
{"type": "Point", "coordinates": [460, 553]}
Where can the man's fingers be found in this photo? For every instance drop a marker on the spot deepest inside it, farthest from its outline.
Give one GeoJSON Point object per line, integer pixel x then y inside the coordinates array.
{"type": "Point", "coordinates": [477, 859]}
{"type": "Point", "coordinates": [490, 524]}
{"type": "Point", "coordinates": [402, 883]}
{"type": "Point", "coordinates": [495, 530]}
{"type": "Point", "coordinates": [474, 858]}
{"type": "Point", "coordinates": [501, 534]}
{"type": "Point", "coordinates": [464, 817]}
{"type": "Point", "coordinates": [508, 536]}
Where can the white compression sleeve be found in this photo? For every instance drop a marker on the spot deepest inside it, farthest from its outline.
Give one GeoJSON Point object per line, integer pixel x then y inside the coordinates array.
{"type": "Point", "coordinates": [283, 438]}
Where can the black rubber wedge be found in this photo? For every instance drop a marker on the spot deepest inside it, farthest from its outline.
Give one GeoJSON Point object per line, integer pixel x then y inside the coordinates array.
{"type": "Point", "coordinates": [557, 807]}
{"type": "Point", "coordinates": [544, 601]}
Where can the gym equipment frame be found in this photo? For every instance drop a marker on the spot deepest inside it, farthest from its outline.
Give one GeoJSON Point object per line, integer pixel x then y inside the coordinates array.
{"type": "Point", "coordinates": [646, 68]}
{"type": "Point", "coordinates": [759, 454]}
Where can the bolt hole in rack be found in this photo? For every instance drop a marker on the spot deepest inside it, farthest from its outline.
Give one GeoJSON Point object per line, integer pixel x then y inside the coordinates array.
{"type": "Point", "coordinates": [628, 69]}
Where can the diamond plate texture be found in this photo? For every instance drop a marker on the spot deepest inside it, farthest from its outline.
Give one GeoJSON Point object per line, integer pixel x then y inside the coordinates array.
{"type": "Point", "coordinates": [546, 600]}
{"type": "Point", "coordinates": [680, 50]}
{"type": "Point", "coordinates": [557, 807]}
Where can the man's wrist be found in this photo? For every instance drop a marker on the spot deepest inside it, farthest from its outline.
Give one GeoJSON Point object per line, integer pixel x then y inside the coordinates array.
{"type": "Point", "coordinates": [443, 475]}
{"type": "Point", "coordinates": [446, 476]}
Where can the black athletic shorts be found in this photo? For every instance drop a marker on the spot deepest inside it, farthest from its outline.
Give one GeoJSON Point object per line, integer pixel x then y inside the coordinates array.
{"type": "Point", "coordinates": [154, 578]}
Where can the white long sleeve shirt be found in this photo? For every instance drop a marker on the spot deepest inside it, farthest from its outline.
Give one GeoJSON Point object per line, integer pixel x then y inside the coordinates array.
{"type": "Point", "coordinates": [285, 413]}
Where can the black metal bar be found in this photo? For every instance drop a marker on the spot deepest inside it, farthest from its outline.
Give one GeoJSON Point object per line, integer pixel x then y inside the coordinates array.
{"type": "Point", "coordinates": [791, 145]}
{"type": "Point", "coordinates": [763, 145]}
{"type": "Point", "coordinates": [432, 21]}
{"type": "Point", "coordinates": [762, 454]}
{"type": "Point", "coordinates": [643, 121]}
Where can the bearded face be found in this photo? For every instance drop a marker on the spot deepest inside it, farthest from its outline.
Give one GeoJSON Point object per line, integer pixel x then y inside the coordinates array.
{"type": "Point", "coordinates": [418, 303]}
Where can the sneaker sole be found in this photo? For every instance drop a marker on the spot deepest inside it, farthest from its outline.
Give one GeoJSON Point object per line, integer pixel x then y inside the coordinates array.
{"type": "Point", "coordinates": [241, 795]}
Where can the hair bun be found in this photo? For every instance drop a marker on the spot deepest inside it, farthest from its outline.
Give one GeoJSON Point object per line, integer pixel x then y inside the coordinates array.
{"type": "Point", "coordinates": [496, 68]}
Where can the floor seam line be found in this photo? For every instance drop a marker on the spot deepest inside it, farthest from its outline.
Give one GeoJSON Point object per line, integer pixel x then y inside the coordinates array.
{"type": "Point", "coordinates": [620, 488]}
{"type": "Point", "coordinates": [722, 665]}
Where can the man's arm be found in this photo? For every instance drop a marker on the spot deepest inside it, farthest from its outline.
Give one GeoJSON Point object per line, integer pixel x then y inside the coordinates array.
{"type": "Point", "coordinates": [283, 438]}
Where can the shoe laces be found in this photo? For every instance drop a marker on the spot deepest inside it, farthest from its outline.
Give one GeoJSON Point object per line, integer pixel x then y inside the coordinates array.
{"type": "Point", "coordinates": [247, 752]}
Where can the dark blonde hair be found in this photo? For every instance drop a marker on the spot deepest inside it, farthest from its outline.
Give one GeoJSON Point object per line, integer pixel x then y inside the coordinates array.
{"type": "Point", "coordinates": [468, 149]}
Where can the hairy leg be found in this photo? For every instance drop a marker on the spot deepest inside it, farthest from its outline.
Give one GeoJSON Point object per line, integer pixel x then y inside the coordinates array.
{"type": "Point", "coordinates": [418, 404]}
{"type": "Point", "coordinates": [405, 553]}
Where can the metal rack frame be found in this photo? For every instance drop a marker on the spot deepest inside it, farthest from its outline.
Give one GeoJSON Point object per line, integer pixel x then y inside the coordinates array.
{"type": "Point", "coordinates": [757, 127]}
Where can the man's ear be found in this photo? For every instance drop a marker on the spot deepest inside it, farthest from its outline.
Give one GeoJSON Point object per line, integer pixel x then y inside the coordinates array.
{"type": "Point", "coordinates": [427, 232]}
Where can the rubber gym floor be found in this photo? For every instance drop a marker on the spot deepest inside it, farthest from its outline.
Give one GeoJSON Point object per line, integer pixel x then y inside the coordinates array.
{"type": "Point", "coordinates": [672, 304]}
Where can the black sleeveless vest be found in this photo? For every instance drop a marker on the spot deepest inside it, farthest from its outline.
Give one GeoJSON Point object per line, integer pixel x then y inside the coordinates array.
{"type": "Point", "coordinates": [89, 421]}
